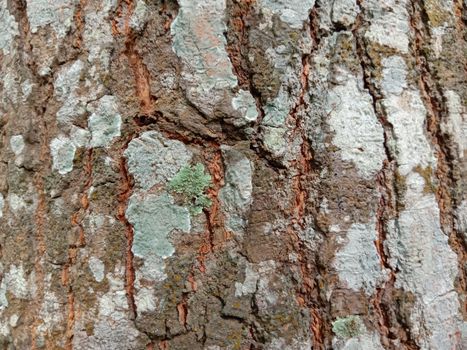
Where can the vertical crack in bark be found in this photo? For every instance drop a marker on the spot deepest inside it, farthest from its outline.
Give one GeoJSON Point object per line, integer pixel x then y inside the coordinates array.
{"type": "Point", "coordinates": [123, 199]}
{"type": "Point", "coordinates": [237, 49]}
{"type": "Point", "coordinates": [309, 294]}
{"type": "Point", "coordinates": [215, 231]}
{"type": "Point", "coordinates": [76, 221]}
{"type": "Point", "coordinates": [140, 72]}
{"type": "Point", "coordinates": [437, 111]}
{"type": "Point", "coordinates": [387, 205]}
{"type": "Point", "coordinates": [143, 92]}
{"type": "Point", "coordinates": [79, 22]}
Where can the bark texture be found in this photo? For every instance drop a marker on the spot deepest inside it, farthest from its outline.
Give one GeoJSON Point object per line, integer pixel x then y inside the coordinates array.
{"type": "Point", "coordinates": [233, 174]}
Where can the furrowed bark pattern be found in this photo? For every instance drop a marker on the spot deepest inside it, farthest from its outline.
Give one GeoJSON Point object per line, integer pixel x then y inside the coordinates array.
{"type": "Point", "coordinates": [333, 134]}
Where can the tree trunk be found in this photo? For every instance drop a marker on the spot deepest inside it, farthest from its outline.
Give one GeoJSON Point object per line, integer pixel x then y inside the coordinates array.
{"type": "Point", "coordinates": [233, 174]}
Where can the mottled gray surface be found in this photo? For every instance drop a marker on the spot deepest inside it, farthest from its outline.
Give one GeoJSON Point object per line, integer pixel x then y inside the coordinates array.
{"type": "Point", "coordinates": [334, 137]}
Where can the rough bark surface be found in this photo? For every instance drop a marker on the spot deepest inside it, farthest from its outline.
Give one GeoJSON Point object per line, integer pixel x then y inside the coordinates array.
{"type": "Point", "coordinates": [332, 135]}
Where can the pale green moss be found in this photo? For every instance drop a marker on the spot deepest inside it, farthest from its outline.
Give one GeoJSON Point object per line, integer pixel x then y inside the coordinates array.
{"type": "Point", "coordinates": [347, 327]}
{"type": "Point", "coordinates": [192, 182]}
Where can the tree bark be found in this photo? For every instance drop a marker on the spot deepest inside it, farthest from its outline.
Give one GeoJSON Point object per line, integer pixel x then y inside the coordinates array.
{"type": "Point", "coordinates": [233, 174]}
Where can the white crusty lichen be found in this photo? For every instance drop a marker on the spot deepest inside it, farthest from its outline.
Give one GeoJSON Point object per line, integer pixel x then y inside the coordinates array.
{"type": "Point", "coordinates": [97, 35]}
{"type": "Point", "coordinates": [344, 12]}
{"type": "Point", "coordinates": [153, 159]}
{"type": "Point", "coordinates": [105, 121]}
{"type": "Point", "coordinates": [406, 112]}
{"type": "Point", "coordinates": [63, 153]}
{"type": "Point", "coordinates": [292, 12]}
{"type": "Point", "coordinates": [246, 105]}
{"type": "Point", "coordinates": [357, 131]}
{"type": "Point", "coordinates": [17, 144]}
{"type": "Point", "coordinates": [97, 268]}
{"type": "Point", "coordinates": [390, 23]}
{"type": "Point", "coordinates": [236, 195]}
{"type": "Point", "coordinates": [8, 28]}
{"type": "Point", "coordinates": [112, 309]}
{"type": "Point", "coordinates": [418, 248]}
{"type": "Point", "coordinates": [427, 267]}
{"type": "Point", "coordinates": [455, 125]}
{"type": "Point", "coordinates": [154, 217]}
{"type": "Point", "coordinates": [358, 262]}
{"type": "Point", "coordinates": [65, 86]}
{"type": "Point", "coordinates": [139, 15]}
{"type": "Point", "coordinates": [199, 41]}
{"type": "Point", "coordinates": [57, 14]}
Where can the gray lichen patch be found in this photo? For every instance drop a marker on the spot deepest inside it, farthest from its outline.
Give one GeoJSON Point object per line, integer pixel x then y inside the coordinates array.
{"type": "Point", "coordinates": [278, 68]}
{"type": "Point", "coordinates": [58, 14]}
{"type": "Point", "coordinates": [111, 309]}
{"type": "Point", "coordinates": [8, 28]}
{"type": "Point", "coordinates": [246, 105]}
{"type": "Point", "coordinates": [348, 327]}
{"type": "Point", "coordinates": [65, 86]}
{"type": "Point", "coordinates": [428, 268]}
{"type": "Point", "coordinates": [407, 113]}
{"type": "Point", "coordinates": [21, 198]}
{"type": "Point", "coordinates": [236, 195]}
{"type": "Point", "coordinates": [358, 263]}
{"type": "Point", "coordinates": [105, 122]}
{"type": "Point", "coordinates": [147, 278]}
{"type": "Point", "coordinates": [80, 137]}
{"type": "Point", "coordinates": [455, 124]}
{"type": "Point", "coordinates": [63, 152]}
{"type": "Point", "coordinates": [390, 23]}
{"type": "Point", "coordinates": [199, 41]}
{"type": "Point", "coordinates": [154, 217]}
{"type": "Point", "coordinates": [139, 15]}
{"type": "Point", "coordinates": [292, 12]}
{"type": "Point", "coordinates": [97, 268]}
{"type": "Point", "coordinates": [394, 75]}
{"type": "Point", "coordinates": [274, 139]}
{"type": "Point", "coordinates": [153, 159]}
{"type": "Point", "coordinates": [344, 12]}
{"type": "Point", "coordinates": [17, 144]}
{"type": "Point", "coordinates": [358, 133]}
{"type": "Point", "coordinates": [418, 248]}
{"type": "Point", "coordinates": [17, 283]}
{"type": "Point", "coordinates": [97, 35]}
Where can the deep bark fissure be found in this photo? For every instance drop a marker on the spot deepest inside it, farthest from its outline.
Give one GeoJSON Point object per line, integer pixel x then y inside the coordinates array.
{"type": "Point", "coordinates": [437, 111]}
{"type": "Point", "coordinates": [123, 198]}
{"type": "Point", "coordinates": [389, 200]}
{"type": "Point", "coordinates": [308, 293]}
{"type": "Point", "coordinates": [76, 221]}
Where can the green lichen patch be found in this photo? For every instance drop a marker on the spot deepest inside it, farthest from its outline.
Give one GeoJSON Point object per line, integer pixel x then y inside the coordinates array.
{"type": "Point", "coordinates": [347, 327]}
{"type": "Point", "coordinates": [191, 182]}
